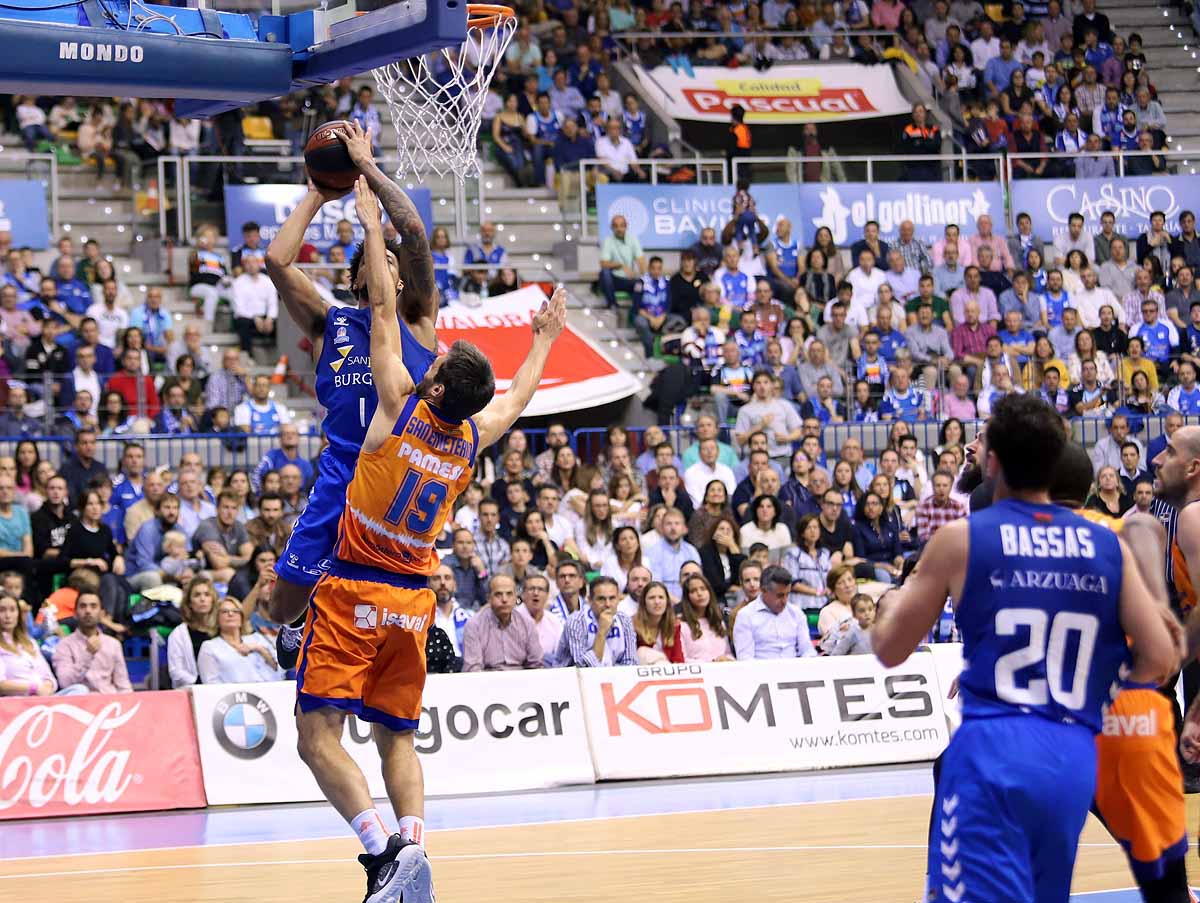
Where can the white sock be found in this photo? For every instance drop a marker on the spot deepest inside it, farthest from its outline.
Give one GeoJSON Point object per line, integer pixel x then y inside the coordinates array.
{"type": "Point", "coordinates": [413, 828]}
{"type": "Point", "coordinates": [368, 825]}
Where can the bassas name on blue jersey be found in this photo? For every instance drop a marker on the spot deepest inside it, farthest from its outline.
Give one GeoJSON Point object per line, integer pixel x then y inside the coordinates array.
{"type": "Point", "coordinates": [1047, 542]}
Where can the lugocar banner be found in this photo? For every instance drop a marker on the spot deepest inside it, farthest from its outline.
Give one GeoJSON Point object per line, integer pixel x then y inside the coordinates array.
{"type": "Point", "coordinates": [783, 715]}
{"type": "Point", "coordinates": [1050, 202]}
{"type": "Point", "coordinates": [672, 216]}
{"type": "Point", "coordinates": [270, 205]}
{"type": "Point", "coordinates": [577, 375]}
{"type": "Point", "coordinates": [23, 213]}
{"type": "Point", "coordinates": [479, 733]}
{"type": "Point", "coordinates": [784, 94]}
{"type": "Point", "coordinates": [83, 755]}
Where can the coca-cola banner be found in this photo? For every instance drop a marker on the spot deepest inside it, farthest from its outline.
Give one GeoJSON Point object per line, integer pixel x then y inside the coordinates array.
{"type": "Point", "coordinates": [84, 755]}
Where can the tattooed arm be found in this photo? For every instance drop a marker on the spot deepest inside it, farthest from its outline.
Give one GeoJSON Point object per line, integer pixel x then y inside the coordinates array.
{"type": "Point", "coordinates": [420, 298]}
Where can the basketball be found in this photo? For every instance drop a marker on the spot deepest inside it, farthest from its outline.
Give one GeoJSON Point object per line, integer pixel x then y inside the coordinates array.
{"type": "Point", "coordinates": [328, 161]}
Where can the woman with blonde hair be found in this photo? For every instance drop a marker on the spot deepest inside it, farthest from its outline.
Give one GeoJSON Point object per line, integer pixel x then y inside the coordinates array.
{"type": "Point", "coordinates": [656, 627]}
{"type": "Point", "coordinates": [1107, 496]}
{"type": "Point", "coordinates": [842, 589]}
{"type": "Point", "coordinates": [199, 611]}
{"type": "Point", "coordinates": [23, 668]}
{"type": "Point", "coordinates": [705, 636]}
{"type": "Point", "coordinates": [236, 655]}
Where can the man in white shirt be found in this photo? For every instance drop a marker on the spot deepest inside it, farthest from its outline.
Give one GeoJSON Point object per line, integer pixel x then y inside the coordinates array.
{"type": "Point", "coordinates": [903, 279]}
{"type": "Point", "coordinates": [865, 279]}
{"type": "Point", "coordinates": [255, 304]}
{"type": "Point", "coordinates": [620, 159]}
{"type": "Point", "coordinates": [451, 617]}
{"type": "Point", "coordinates": [84, 377]}
{"type": "Point", "coordinates": [705, 470]}
{"type": "Point", "coordinates": [1074, 239]}
{"type": "Point", "coordinates": [111, 318]}
{"type": "Point", "coordinates": [1093, 297]}
{"type": "Point", "coordinates": [193, 506]}
{"type": "Point", "coordinates": [549, 625]}
{"type": "Point", "coordinates": [770, 628]}
{"type": "Point", "coordinates": [985, 47]}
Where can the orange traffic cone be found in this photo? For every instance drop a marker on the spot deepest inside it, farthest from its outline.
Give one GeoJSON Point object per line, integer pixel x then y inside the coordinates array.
{"type": "Point", "coordinates": [280, 374]}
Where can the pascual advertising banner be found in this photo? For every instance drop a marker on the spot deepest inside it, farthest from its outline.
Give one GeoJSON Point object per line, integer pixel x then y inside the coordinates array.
{"type": "Point", "coordinates": [577, 375]}
{"type": "Point", "coordinates": [1050, 202]}
{"type": "Point", "coordinates": [671, 216]}
{"type": "Point", "coordinates": [479, 733]}
{"type": "Point", "coordinates": [270, 205]}
{"type": "Point", "coordinates": [84, 755]}
{"type": "Point", "coordinates": [23, 212]}
{"type": "Point", "coordinates": [784, 94]}
{"type": "Point", "coordinates": [786, 715]}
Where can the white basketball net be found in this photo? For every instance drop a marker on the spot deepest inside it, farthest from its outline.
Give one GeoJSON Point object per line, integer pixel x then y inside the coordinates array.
{"type": "Point", "coordinates": [437, 101]}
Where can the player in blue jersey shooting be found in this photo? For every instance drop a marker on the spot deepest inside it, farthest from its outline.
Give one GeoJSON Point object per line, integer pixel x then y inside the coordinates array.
{"type": "Point", "coordinates": [341, 342]}
{"type": "Point", "coordinates": [1050, 607]}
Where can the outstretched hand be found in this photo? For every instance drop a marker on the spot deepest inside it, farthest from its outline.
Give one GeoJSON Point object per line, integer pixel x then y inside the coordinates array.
{"type": "Point", "coordinates": [358, 143]}
{"type": "Point", "coordinates": [551, 319]}
{"type": "Point", "coordinates": [367, 205]}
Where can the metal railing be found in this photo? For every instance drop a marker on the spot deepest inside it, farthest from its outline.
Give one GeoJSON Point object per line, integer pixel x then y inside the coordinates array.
{"type": "Point", "coordinates": [1118, 156]}
{"type": "Point", "coordinates": [32, 165]}
{"type": "Point", "coordinates": [703, 165]}
{"type": "Point", "coordinates": [290, 170]}
{"type": "Point", "coordinates": [962, 158]}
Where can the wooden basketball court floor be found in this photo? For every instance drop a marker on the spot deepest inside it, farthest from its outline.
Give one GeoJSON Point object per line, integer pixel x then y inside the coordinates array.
{"type": "Point", "coordinates": [853, 835]}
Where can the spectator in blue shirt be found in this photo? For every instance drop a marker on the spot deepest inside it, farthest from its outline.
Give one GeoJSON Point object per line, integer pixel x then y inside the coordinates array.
{"type": "Point", "coordinates": [871, 365]}
{"type": "Point", "coordinates": [367, 117]}
{"type": "Point", "coordinates": [1160, 337]}
{"type": "Point", "coordinates": [652, 305]}
{"type": "Point", "coordinates": [903, 401]}
{"type": "Point", "coordinates": [287, 453]}
{"type": "Point", "coordinates": [665, 557]}
{"type": "Point", "coordinates": [155, 324]}
{"type": "Point", "coordinates": [583, 72]}
{"type": "Point", "coordinates": [145, 546]}
{"type": "Point", "coordinates": [1185, 397]}
{"type": "Point", "coordinates": [997, 74]}
{"type": "Point", "coordinates": [750, 340]}
{"type": "Point", "coordinates": [127, 487]}
{"type": "Point", "coordinates": [571, 147]}
{"type": "Point", "coordinates": [73, 295]}
{"type": "Point", "coordinates": [891, 340]}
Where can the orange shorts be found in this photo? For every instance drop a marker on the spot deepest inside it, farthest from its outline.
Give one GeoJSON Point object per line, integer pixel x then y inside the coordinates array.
{"type": "Point", "coordinates": [1139, 787]}
{"type": "Point", "coordinates": [364, 646]}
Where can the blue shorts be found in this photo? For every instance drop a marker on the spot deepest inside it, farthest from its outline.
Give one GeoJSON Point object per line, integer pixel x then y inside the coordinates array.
{"type": "Point", "coordinates": [1012, 798]}
{"type": "Point", "coordinates": [309, 549]}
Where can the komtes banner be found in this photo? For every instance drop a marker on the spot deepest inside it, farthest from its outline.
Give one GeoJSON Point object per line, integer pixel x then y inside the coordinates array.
{"type": "Point", "coordinates": [1050, 202]}
{"type": "Point", "coordinates": [672, 216]}
{"type": "Point", "coordinates": [819, 92]}
{"type": "Point", "coordinates": [270, 205]}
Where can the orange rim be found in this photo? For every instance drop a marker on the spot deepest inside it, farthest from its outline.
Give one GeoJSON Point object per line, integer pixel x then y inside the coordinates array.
{"type": "Point", "coordinates": [486, 15]}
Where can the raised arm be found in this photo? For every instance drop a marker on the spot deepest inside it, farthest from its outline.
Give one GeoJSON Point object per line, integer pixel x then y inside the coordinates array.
{"type": "Point", "coordinates": [548, 323]}
{"type": "Point", "coordinates": [299, 295]}
{"type": "Point", "coordinates": [388, 372]}
{"type": "Point", "coordinates": [420, 301]}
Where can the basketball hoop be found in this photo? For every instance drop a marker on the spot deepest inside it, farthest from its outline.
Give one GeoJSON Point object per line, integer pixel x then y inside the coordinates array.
{"type": "Point", "coordinates": [437, 99]}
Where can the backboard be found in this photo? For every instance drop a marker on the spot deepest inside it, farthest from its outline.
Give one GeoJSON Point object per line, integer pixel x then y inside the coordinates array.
{"type": "Point", "coordinates": [211, 61]}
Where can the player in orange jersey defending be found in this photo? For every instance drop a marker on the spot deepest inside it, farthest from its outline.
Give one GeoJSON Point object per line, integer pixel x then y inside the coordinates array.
{"type": "Point", "coordinates": [363, 650]}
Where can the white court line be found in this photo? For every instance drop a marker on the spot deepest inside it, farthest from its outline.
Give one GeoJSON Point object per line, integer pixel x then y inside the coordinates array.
{"type": "Point", "coordinates": [467, 857]}
{"type": "Point", "coordinates": [583, 819]}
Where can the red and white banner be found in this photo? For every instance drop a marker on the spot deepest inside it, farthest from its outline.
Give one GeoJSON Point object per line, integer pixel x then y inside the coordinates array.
{"type": "Point", "coordinates": [83, 755]}
{"type": "Point", "coordinates": [578, 374]}
{"type": "Point", "coordinates": [759, 716]}
{"type": "Point", "coordinates": [786, 94]}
